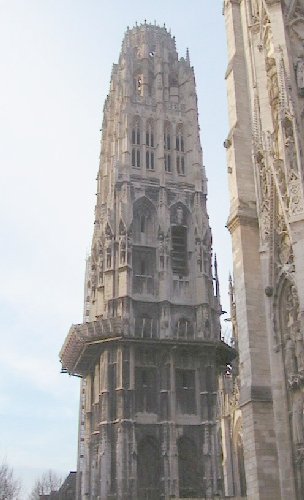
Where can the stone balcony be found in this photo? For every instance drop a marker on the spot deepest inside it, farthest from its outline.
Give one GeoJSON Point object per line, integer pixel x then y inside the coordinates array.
{"type": "Point", "coordinates": [85, 341]}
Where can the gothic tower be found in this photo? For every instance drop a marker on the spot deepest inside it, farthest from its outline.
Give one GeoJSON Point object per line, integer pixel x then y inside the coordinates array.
{"type": "Point", "coordinates": [150, 346]}
{"type": "Point", "coordinates": [265, 146]}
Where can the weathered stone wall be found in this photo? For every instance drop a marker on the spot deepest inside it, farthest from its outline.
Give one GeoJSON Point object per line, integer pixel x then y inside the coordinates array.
{"type": "Point", "coordinates": [265, 166]}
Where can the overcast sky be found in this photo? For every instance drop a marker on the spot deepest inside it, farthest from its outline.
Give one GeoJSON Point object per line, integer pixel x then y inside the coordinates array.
{"type": "Point", "coordinates": [56, 58]}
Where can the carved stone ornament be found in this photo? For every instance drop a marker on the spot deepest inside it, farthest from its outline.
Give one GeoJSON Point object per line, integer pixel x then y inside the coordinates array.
{"type": "Point", "coordinates": [296, 202]}
{"type": "Point", "coordinates": [300, 76]}
{"type": "Point", "coordinates": [283, 245]}
{"type": "Point", "coordinates": [292, 336]}
{"type": "Point", "coordinates": [297, 418]}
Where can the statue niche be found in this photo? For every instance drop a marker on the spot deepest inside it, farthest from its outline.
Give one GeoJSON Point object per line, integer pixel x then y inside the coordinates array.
{"type": "Point", "coordinates": [144, 216]}
{"type": "Point", "coordinates": [293, 357]}
{"type": "Point", "coordinates": [292, 336]}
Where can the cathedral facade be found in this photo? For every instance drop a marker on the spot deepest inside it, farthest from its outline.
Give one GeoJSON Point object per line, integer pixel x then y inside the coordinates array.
{"type": "Point", "coordinates": [265, 146]}
{"type": "Point", "coordinates": [149, 349]}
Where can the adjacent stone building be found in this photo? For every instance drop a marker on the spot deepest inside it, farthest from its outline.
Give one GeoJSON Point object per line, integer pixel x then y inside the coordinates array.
{"type": "Point", "coordinates": [150, 346]}
{"type": "Point", "coordinates": [265, 79]}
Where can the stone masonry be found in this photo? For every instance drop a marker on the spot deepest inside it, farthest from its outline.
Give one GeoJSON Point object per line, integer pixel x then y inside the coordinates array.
{"type": "Point", "coordinates": [265, 82]}
{"type": "Point", "coordinates": [150, 347]}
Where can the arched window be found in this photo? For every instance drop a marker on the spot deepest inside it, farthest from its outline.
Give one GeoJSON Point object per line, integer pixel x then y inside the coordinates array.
{"type": "Point", "coordinates": [189, 473]}
{"type": "Point", "coordinates": [136, 132]}
{"type": "Point", "coordinates": [148, 469]}
{"type": "Point", "coordinates": [150, 134]}
{"type": "Point", "coordinates": [180, 151]}
{"type": "Point", "coordinates": [144, 223]}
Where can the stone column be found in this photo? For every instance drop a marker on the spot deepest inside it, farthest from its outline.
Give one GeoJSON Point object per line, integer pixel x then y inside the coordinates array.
{"type": "Point", "coordinates": [262, 475]}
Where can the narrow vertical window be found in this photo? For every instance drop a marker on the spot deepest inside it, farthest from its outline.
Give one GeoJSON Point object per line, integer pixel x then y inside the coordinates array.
{"type": "Point", "coordinates": [180, 154]}
{"type": "Point", "coordinates": [169, 162]}
{"type": "Point", "coordinates": [142, 268]}
{"type": "Point", "coordinates": [185, 391]}
{"type": "Point", "coordinates": [179, 250]}
{"type": "Point", "coordinates": [135, 139]}
{"type": "Point", "coordinates": [149, 146]}
{"type": "Point", "coordinates": [182, 165]}
{"type": "Point", "coordinates": [167, 147]}
{"type": "Point", "coordinates": [135, 136]}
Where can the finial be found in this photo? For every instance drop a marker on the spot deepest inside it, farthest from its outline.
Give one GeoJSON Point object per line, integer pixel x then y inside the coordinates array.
{"type": "Point", "coordinates": [165, 25]}
{"type": "Point", "coordinates": [215, 265]}
{"type": "Point", "coordinates": [145, 21]}
{"type": "Point", "coordinates": [136, 24]}
{"type": "Point", "coordinates": [230, 280]}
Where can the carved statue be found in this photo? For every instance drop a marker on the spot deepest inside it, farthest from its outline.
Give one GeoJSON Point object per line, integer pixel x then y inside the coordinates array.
{"type": "Point", "coordinates": [297, 417]}
{"type": "Point", "coordinates": [93, 279]}
{"type": "Point", "coordinates": [290, 359]}
{"type": "Point", "coordinates": [284, 247]}
{"type": "Point", "coordinates": [123, 248]}
{"type": "Point", "coordinates": [292, 307]}
{"type": "Point", "coordinates": [179, 215]}
{"type": "Point", "coordinates": [100, 269]}
{"type": "Point", "coordinates": [300, 76]}
{"type": "Point", "coordinates": [109, 257]}
{"type": "Point", "coordinates": [299, 348]}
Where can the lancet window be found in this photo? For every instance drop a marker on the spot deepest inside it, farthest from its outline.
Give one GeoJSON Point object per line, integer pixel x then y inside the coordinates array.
{"type": "Point", "coordinates": [188, 469]}
{"type": "Point", "coordinates": [180, 151]}
{"type": "Point", "coordinates": [149, 146]}
{"type": "Point", "coordinates": [135, 140]}
{"type": "Point", "coordinates": [179, 250]}
{"type": "Point", "coordinates": [148, 469]}
{"type": "Point", "coordinates": [167, 147]}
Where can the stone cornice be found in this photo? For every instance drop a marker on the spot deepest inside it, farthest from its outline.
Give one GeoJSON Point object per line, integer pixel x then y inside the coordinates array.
{"type": "Point", "coordinates": [242, 217]}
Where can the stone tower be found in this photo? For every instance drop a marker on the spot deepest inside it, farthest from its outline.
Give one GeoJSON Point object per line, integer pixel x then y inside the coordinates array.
{"type": "Point", "coordinates": [150, 346]}
{"type": "Point", "coordinates": [265, 147]}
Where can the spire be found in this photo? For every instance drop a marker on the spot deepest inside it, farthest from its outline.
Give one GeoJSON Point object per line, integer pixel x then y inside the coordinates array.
{"type": "Point", "coordinates": [230, 288]}
{"type": "Point", "coordinates": [187, 56]}
{"type": "Point", "coordinates": [217, 285]}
